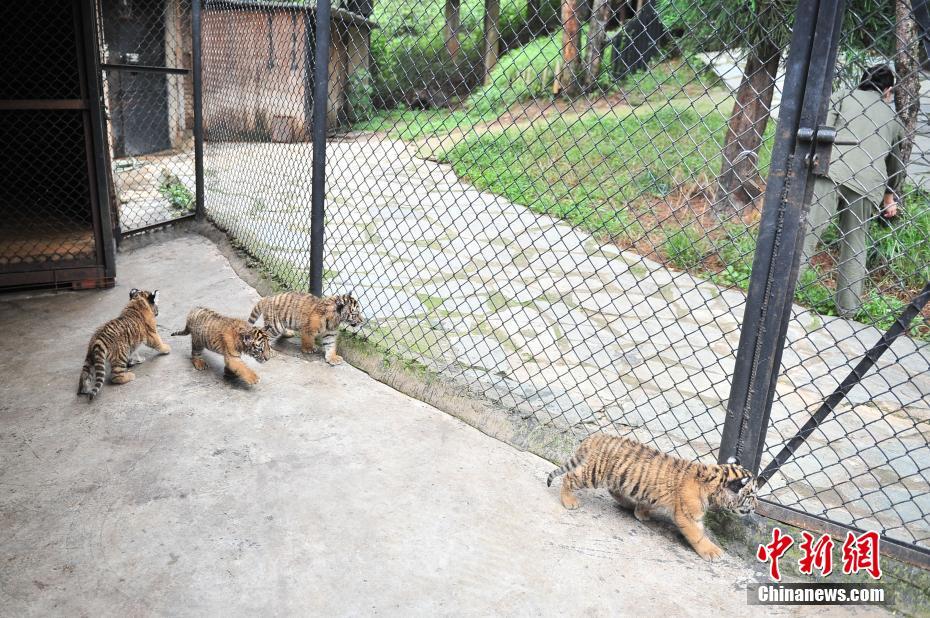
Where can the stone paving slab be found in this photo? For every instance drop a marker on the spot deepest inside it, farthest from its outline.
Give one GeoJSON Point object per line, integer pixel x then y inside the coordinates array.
{"type": "Point", "coordinates": [527, 311]}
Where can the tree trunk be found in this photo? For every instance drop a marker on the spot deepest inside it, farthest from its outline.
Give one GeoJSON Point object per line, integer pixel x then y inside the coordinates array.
{"type": "Point", "coordinates": [492, 35]}
{"type": "Point", "coordinates": [453, 15]}
{"type": "Point", "coordinates": [597, 33]}
{"type": "Point", "coordinates": [568, 82]}
{"type": "Point", "coordinates": [739, 182]}
{"type": "Point", "coordinates": [906, 65]}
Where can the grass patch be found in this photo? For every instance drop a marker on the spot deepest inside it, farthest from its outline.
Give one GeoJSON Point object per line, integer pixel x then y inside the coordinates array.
{"type": "Point", "coordinates": [179, 197]}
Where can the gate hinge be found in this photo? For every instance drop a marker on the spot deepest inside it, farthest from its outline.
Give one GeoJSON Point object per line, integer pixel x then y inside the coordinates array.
{"type": "Point", "coordinates": [822, 139]}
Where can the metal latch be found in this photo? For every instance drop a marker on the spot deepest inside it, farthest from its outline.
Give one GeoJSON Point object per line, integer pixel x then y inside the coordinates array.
{"type": "Point", "coordinates": [823, 140]}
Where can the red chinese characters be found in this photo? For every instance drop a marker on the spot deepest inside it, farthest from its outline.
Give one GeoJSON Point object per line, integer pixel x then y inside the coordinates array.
{"type": "Point", "coordinates": [775, 550]}
{"type": "Point", "coordinates": [817, 555]}
{"type": "Point", "coordinates": [861, 554]}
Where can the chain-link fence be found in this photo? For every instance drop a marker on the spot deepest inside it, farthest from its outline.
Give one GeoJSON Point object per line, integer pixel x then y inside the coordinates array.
{"type": "Point", "coordinates": [555, 206]}
{"type": "Point", "coordinates": [146, 53]}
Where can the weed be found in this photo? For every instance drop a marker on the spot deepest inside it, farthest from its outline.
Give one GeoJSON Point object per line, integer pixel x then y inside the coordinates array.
{"type": "Point", "coordinates": [684, 247]}
{"type": "Point", "coordinates": [176, 192]}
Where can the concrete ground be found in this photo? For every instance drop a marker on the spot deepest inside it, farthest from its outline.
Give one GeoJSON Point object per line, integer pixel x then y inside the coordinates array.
{"type": "Point", "coordinates": [318, 492]}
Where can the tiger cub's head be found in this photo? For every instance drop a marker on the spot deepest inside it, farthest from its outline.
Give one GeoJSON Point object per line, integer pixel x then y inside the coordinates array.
{"type": "Point", "coordinates": [149, 297]}
{"type": "Point", "coordinates": [348, 310]}
{"type": "Point", "coordinates": [737, 492]}
{"type": "Point", "coordinates": [256, 343]}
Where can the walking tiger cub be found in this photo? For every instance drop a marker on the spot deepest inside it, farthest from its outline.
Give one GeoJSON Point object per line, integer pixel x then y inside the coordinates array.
{"type": "Point", "coordinates": [647, 480]}
{"type": "Point", "coordinates": [227, 336]}
{"type": "Point", "coordinates": [115, 342]}
{"type": "Point", "coordinates": [310, 316]}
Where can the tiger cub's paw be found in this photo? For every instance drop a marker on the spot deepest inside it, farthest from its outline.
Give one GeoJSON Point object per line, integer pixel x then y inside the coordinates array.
{"type": "Point", "coordinates": [198, 363]}
{"type": "Point", "coordinates": [164, 349]}
{"type": "Point", "coordinates": [334, 360]}
{"type": "Point", "coordinates": [709, 551]}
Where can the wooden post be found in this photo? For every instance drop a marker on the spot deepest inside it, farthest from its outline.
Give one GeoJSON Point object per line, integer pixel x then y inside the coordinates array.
{"type": "Point", "coordinates": [492, 35]}
{"type": "Point", "coordinates": [597, 33]}
{"type": "Point", "coordinates": [568, 82]}
{"type": "Point", "coordinates": [453, 14]}
{"type": "Point", "coordinates": [907, 90]}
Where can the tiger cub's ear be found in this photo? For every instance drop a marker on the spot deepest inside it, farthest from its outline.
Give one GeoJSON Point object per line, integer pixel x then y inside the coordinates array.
{"type": "Point", "coordinates": [155, 297]}
{"type": "Point", "coordinates": [340, 305]}
{"type": "Point", "coordinates": [732, 460]}
{"type": "Point", "coordinates": [246, 337]}
{"type": "Point", "coordinates": [133, 293]}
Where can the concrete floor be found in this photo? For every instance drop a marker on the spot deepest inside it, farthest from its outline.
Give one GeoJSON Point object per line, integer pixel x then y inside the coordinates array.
{"type": "Point", "coordinates": [320, 491]}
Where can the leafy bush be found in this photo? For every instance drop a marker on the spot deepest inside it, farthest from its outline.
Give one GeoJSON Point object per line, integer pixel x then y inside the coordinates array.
{"type": "Point", "coordinates": [176, 192]}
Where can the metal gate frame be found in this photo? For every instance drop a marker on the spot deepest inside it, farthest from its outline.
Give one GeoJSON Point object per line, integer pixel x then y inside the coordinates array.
{"type": "Point", "coordinates": [196, 73]}
{"type": "Point", "coordinates": [802, 146]}
{"type": "Point", "coordinates": [101, 270]}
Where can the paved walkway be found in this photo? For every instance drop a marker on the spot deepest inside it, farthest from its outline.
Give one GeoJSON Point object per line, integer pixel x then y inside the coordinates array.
{"type": "Point", "coordinates": [531, 313]}
{"type": "Point", "coordinates": [320, 492]}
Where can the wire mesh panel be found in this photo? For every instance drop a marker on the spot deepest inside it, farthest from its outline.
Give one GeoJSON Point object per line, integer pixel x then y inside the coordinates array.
{"type": "Point", "coordinates": [554, 205]}
{"type": "Point", "coordinates": [866, 255]}
{"type": "Point", "coordinates": [147, 54]}
{"type": "Point", "coordinates": [525, 200]}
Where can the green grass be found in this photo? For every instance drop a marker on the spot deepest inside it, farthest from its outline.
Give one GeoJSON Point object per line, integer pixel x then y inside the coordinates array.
{"type": "Point", "coordinates": [414, 124]}
{"type": "Point", "coordinates": [520, 75]}
{"type": "Point", "coordinates": [585, 170]}
{"type": "Point", "coordinates": [901, 250]}
{"type": "Point", "coordinates": [685, 247]}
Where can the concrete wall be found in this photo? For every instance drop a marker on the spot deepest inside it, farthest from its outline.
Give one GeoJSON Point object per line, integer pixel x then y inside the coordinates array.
{"type": "Point", "coordinates": [253, 90]}
{"type": "Point", "coordinates": [248, 98]}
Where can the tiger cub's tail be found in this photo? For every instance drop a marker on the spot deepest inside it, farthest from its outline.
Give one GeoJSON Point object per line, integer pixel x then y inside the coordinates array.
{"type": "Point", "coordinates": [256, 311]}
{"type": "Point", "coordinates": [185, 331]}
{"type": "Point", "coordinates": [576, 460]}
{"type": "Point", "coordinates": [98, 355]}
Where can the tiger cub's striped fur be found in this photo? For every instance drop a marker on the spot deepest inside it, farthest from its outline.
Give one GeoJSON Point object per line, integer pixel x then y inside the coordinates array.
{"type": "Point", "coordinates": [647, 480]}
{"type": "Point", "coordinates": [311, 317]}
{"type": "Point", "coordinates": [227, 336]}
{"type": "Point", "coordinates": [115, 342]}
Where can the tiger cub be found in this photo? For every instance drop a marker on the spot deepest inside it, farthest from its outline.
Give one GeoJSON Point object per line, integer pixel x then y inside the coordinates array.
{"type": "Point", "coordinates": [310, 316]}
{"type": "Point", "coordinates": [647, 480]}
{"type": "Point", "coordinates": [115, 342]}
{"type": "Point", "coordinates": [227, 336]}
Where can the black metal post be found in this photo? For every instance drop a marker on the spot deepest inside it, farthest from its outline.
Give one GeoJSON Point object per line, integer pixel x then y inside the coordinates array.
{"type": "Point", "coordinates": [318, 181]}
{"type": "Point", "coordinates": [197, 61]}
{"type": "Point", "coordinates": [810, 67]}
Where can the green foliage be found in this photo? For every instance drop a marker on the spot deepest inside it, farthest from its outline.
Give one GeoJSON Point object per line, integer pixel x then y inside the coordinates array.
{"type": "Point", "coordinates": [584, 170]}
{"type": "Point", "coordinates": [521, 74]}
{"type": "Point", "coordinates": [736, 252]}
{"type": "Point", "coordinates": [706, 25]}
{"type": "Point", "coordinates": [359, 96]}
{"type": "Point", "coordinates": [812, 293]}
{"type": "Point", "coordinates": [901, 250]}
{"type": "Point", "coordinates": [880, 310]}
{"type": "Point", "coordinates": [684, 247]}
{"type": "Point", "coordinates": [408, 124]}
{"type": "Point", "coordinates": [176, 192]}
{"type": "Point", "coordinates": [408, 46]}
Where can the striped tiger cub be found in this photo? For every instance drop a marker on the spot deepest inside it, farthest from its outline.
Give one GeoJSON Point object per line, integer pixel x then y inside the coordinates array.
{"type": "Point", "coordinates": [311, 317]}
{"type": "Point", "coordinates": [229, 337]}
{"type": "Point", "coordinates": [646, 480]}
{"type": "Point", "coordinates": [116, 341]}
